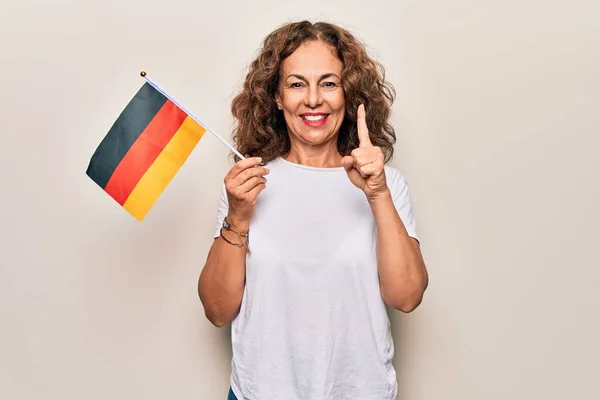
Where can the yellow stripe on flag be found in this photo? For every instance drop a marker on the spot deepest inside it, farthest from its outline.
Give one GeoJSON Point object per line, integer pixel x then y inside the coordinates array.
{"type": "Point", "coordinates": [164, 168]}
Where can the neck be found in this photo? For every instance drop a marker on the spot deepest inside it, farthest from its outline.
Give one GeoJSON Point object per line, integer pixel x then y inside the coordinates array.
{"type": "Point", "coordinates": [325, 157]}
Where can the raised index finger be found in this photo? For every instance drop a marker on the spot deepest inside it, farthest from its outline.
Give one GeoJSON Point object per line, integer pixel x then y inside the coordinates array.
{"type": "Point", "coordinates": [363, 131]}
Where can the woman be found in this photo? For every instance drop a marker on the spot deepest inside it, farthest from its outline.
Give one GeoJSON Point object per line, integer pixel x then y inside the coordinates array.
{"type": "Point", "coordinates": [304, 265]}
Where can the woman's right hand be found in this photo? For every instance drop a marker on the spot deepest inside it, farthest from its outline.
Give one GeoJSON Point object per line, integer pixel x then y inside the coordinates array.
{"type": "Point", "coordinates": [243, 184]}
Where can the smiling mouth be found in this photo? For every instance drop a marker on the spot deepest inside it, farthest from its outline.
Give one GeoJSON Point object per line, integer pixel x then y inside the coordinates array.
{"type": "Point", "coordinates": [314, 118]}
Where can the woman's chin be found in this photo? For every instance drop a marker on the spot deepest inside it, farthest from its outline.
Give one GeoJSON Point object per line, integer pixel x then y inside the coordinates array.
{"type": "Point", "coordinates": [317, 137]}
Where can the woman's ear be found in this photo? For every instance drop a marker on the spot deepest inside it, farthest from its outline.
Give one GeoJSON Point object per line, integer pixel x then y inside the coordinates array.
{"type": "Point", "coordinates": [278, 100]}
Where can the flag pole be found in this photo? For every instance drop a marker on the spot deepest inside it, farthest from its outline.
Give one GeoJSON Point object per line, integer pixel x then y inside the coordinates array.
{"type": "Point", "coordinates": [155, 85]}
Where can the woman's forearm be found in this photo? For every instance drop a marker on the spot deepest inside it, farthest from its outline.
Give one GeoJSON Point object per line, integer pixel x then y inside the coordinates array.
{"type": "Point", "coordinates": [222, 280]}
{"type": "Point", "coordinates": [402, 272]}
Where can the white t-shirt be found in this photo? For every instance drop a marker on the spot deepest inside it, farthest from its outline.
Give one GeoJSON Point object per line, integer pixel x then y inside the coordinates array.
{"type": "Point", "coordinates": [312, 324]}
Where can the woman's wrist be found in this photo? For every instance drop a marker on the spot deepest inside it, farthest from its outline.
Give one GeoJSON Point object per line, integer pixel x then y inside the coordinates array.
{"type": "Point", "coordinates": [241, 225]}
{"type": "Point", "coordinates": [379, 198]}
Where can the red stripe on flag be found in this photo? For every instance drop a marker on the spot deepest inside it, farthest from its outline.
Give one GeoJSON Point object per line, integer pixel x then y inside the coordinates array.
{"type": "Point", "coordinates": [144, 151]}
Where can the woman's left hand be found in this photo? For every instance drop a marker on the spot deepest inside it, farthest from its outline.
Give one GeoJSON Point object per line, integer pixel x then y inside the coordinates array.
{"type": "Point", "coordinates": [365, 165]}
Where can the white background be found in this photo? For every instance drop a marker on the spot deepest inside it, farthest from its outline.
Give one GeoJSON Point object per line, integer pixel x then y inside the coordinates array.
{"type": "Point", "coordinates": [498, 127]}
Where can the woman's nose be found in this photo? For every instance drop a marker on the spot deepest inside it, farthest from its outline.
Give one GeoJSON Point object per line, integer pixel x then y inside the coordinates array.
{"type": "Point", "coordinates": [313, 96]}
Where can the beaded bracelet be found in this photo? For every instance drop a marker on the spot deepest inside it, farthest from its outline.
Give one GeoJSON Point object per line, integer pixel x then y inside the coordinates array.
{"type": "Point", "coordinates": [240, 235]}
{"type": "Point", "coordinates": [228, 226]}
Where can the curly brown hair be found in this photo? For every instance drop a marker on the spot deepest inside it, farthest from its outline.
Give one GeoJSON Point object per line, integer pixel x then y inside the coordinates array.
{"type": "Point", "coordinates": [260, 129]}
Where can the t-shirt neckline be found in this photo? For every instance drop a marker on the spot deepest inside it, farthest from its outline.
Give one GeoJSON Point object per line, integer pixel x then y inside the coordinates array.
{"type": "Point", "coordinates": [310, 168]}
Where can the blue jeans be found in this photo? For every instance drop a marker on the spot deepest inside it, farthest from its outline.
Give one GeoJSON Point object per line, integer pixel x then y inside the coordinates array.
{"type": "Point", "coordinates": [231, 396]}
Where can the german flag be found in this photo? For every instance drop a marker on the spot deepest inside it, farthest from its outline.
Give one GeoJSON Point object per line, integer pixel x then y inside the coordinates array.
{"type": "Point", "coordinates": [143, 150]}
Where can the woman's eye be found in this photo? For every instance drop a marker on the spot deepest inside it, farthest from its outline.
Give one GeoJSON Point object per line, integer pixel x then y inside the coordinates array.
{"type": "Point", "coordinates": [296, 85]}
{"type": "Point", "coordinates": [330, 85]}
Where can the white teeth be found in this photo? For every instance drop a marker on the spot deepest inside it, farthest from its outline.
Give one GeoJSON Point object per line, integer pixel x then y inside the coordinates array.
{"type": "Point", "coordinates": [313, 118]}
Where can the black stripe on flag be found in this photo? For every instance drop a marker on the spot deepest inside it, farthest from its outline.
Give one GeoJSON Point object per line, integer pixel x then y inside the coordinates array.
{"type": "Point", "coordinates": [127, 128]}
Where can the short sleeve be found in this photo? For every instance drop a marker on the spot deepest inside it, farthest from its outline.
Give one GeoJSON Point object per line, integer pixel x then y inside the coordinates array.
{"type": "Point", "coordinates": [222, 211]}
{"type": "Point", "coordinates": [401, 198]}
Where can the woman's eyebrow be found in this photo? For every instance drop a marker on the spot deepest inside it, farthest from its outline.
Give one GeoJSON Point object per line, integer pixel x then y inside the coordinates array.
{"type": "Point", "coordinates": [324, 76]}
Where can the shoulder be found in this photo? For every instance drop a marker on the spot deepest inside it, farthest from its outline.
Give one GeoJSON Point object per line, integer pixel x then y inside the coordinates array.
{"type": "Point", "coordinates": [395, 178]}
{"type": "Point", "coordinates": [274, 163]}
{"type": "Point", "coordinates": [401, 197]}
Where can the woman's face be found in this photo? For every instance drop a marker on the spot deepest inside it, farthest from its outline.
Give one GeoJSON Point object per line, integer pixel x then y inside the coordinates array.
{"type": "Point", "coordinates": [311, 95]}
